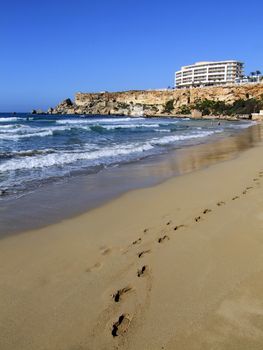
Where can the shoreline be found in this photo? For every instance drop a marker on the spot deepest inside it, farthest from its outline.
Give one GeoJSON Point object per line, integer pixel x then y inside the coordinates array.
{"type": "Point", "coordinates": [178, 265]}
{"type": "Point", "coordinates": [164, 115]}
{"type": "Point", "coordinates": [94, 190]}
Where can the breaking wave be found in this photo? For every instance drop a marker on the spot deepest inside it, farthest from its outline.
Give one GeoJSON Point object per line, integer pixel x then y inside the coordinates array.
{"type": "Point", "coordinates": [33, 150]}
{"type": "Point", "coordinates": [58, 159]}
{"type": "Point", "coordinates": [48, 158]}
{"type": "Point", "coordinates": [9, 119]}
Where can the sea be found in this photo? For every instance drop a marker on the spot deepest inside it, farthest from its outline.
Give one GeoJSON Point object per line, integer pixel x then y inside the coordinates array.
{"type": "Point", "coordinates": [39, 151]}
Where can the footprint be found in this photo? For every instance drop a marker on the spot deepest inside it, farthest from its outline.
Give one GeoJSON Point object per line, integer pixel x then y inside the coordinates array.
{"type": "Point", "coordinates": [178, 227]}
{"type": "Point", "coordinates": [106, 251]}
{"type": "Point", "coordinates": [244, 192]}
{"type": "Point", "coordinates": [121, 326]}
{"type": "Point", "coordinates": [94, 267]}
{"type": "Point", "coordinates": [198, 218]}
{"type": "Point", "coordinates": [137, 241]}
{"type": "Point", "coordinates": [206, 211]}
{"type": "Point", "coordinates": [161, 239]}
{"type": "Point", "coordinates": [220, 203]}
{"type": "Point", "coordinates": [141, 254]}
{"type": "Point", "coordinates": [141, 271]}
{"type": "Point", "coordinates": [255, 179]}
{"type": "Point", "coordinates": [249, 187]}
{"type": "Point", "coordinates": [145, 230]}
{"type": "Point", "coordinates": [169, 223]}
{"type": "Point", "coordinates": [234, 198]}
{"type": "Point", "coordinates": [117, 296]}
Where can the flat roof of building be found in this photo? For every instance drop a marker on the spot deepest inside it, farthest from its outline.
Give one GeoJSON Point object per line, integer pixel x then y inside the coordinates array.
{"type": "Point", "coordinates": [201, 63]}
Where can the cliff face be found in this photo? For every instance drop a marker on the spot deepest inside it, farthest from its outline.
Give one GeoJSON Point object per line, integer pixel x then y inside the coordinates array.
{"type": "Point", "coordinates": [153, 102]}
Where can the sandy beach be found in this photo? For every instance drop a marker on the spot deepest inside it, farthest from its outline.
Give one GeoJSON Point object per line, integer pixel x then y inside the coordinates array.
{"type": "Point", "coordinates": [175, 266]}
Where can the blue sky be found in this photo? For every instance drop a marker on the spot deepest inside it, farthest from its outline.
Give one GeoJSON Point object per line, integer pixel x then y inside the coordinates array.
{"type": "Point", "coordinates": [52, 49]}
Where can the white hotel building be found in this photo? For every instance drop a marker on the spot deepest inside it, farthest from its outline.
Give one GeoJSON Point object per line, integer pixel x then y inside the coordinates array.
{"type": "Point", "coordinates": [209, 73]}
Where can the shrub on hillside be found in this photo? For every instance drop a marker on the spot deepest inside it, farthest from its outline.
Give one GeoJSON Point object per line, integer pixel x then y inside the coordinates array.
{"type": "Point", "coordinates": [169, 106]}
{"type": "Point", "coordinates": [239, 107]}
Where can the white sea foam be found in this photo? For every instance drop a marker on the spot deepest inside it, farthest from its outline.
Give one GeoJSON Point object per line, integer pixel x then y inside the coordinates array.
{"type": "Point", "coordinates": [173, 138]}
{"type": "Point", "coordinates": [242, 126]}
{"type": "Point", "coordinates": [168, 123]}
{"type": "Point", "coordinates": [162, 130]}
{"type": "Point", "coordinates": [16, 128]}
{"type": "Point", "coordinates": [72, 121]}
{"type": "Point", "coordinates": [95, 120]}
{"type": "Point", "coordinates": [8, 126]}
{"type": "Point", "coordinates": [128, 126]}
{"type": "Point", "coordinates": [25, 135]}
{"type": "Point", "coordinates": [26, 132]}
{"type": "Point", "coordinates": [9, 119]}
{"type": "Point", "coordinates": [99, 156]}
{"type": "Point", "coordinates": [62, 158]}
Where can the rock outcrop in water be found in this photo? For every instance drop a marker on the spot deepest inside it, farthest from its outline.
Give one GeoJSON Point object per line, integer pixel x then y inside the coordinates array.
{"type": "Point", "coordinates": [154, 102]}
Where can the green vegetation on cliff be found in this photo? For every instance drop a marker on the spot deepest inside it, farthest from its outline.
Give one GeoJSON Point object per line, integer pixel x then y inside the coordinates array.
{"type": "Point", "coordinates": [169, 106]}
{"type": "Point", "coordinates": [211, 107]}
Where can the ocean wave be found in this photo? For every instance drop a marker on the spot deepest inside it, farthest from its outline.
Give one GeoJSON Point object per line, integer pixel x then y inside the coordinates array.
{"type": "Point", "coordinates": [162, 130]}
{"type": "Point", "coordinates": [27, 132]}
{"type": "Point", "coordinates": [168, 123]}
{"type": "Point", "coordinates": [9, 119]}
{"type": "Point", "coordinates": [242, 126]}
{"type": "Point", "coordinates": [101, 128]}
{"type": "Point", "coordinates": [16, 128]}
{"type": "Point", "coordinates": [97, 120]}
{"type": "Point", "coordinates": [25, 135]}
{"type": "Point", "coordinates": [129, 126]}
{"type": "Point", "coordinates": [26, 153]}
{"type": "Point", "coordinates": [72, 121]}
{"type": "Point", "coordinates": [62, 158]}
{"type": "Point", "coordinates": [173, 138]}
{"type": "Point", "coordinates": [9, 126]}
{"type": "Point", "coordinates": [98, 156]}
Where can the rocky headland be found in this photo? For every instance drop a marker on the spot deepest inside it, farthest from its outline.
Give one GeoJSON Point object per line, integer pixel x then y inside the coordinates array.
{"type": "Point", "coordinates": [245, 99]}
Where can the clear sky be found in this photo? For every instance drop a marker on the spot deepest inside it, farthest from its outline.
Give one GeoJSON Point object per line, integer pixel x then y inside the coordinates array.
{"type": "Point", "coordinates": [52, 49]}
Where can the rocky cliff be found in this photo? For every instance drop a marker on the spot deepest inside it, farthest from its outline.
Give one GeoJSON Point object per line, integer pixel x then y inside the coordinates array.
{"type": "Point", "coordinates": [153, 102]}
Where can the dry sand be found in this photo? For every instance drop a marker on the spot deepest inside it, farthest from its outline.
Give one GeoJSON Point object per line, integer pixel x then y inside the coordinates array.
{"type": "Point", "coordinates": [176, 266]}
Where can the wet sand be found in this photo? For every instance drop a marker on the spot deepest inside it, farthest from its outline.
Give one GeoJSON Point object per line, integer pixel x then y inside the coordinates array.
{"type": "Point", "coordinates": [175, 266]}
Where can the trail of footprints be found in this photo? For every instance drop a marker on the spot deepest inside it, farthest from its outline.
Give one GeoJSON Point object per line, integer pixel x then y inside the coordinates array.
{"type": "Point", "coordinates": [121, 325]}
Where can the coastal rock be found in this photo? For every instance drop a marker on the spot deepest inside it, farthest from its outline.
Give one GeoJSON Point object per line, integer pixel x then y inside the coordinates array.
{"type": "Point", "coordinates": [37, 111]}
{"type": "Point", "coordinates": [67, 102]}
{"type": "Point", "coordinates": [65, 107]}
{"type": "Point", "coordinates": [154, 102]}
